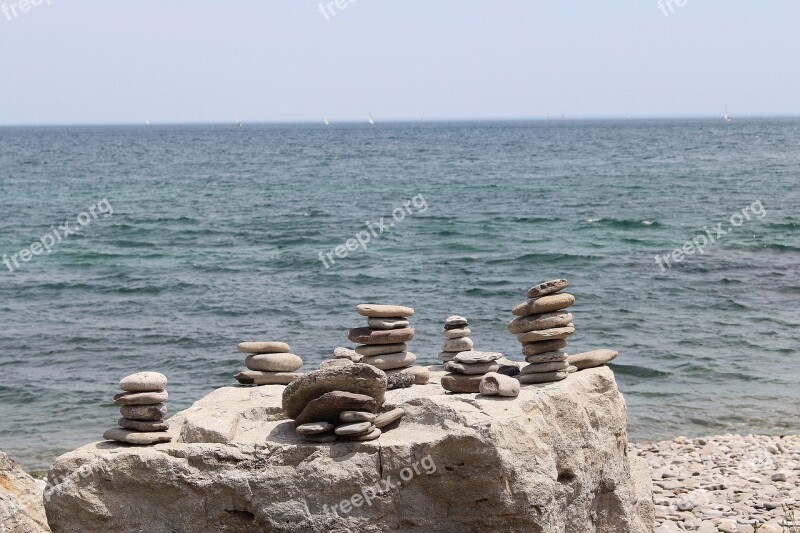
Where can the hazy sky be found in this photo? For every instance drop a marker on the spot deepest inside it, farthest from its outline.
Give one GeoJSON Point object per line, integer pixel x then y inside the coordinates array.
{"type": "Point", "coordinates": [101, 61]}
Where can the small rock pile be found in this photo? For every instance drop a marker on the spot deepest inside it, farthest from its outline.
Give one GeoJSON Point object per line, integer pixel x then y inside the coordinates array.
{"type": "Point", "coordinates": [339, 402]}
{"type": "Point", "coordinates": [142, 410]}
{"type": "Point", "coordinates": [542, 327]}
{"type": "Point", "coordinates": [457, 333]}
{"type": "Point", "coordinates": [383, 344]}
{"type": "Point", "coordinates": [467, 370]}
{"type": "Point", "coordinates": [268, 363]}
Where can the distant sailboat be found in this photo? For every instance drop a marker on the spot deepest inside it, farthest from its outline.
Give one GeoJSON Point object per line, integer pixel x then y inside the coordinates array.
{"type": "Point", "coordinates": [727, 117]}
{"type": "Point", "coordinates": [238, 122]}
{"type": "Point", "coordinates": [371, 120]}
{"type": "Point", "coordinates": [326, 121]}
{"type": "Point", "coordinates": [147, 122]}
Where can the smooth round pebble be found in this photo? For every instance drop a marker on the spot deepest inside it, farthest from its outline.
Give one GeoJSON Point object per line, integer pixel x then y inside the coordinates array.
{"type": "Point", "coordinates": [472, 357]}
{"type": "Point", "coordinates": [462, 344]}
{"type": "Point", "coordinates": [384, 311]}
{"type": "Point", "coordinates": [144, 412]}
{"type": "Point", "coordinates": [380, 349]}
{"type": "Point", "coordinates": [534, 348]}
{"type": "Point", "coordinates": [141, 398]}
{"type": "Point", "coordinates": [143, 425]}
{"type": "Point", "coordinates": [391, 360]}
{"type": "Point", "coordinates": [263, 347]}
{"type": "Point", "coordinates": [273, 362]}
{"type": "Point", "coordinates": [314, 428]}
{"type": "Point", "coordinates": [358, 428]}
{"type": "Point", "coordinates": [357, 416]}
{"type": "Point", "coordinates": [143, 382]}
{"type": "Point", "coordinates": [384, 419]}
{"type": "Point", "coordinates": [135, 437]}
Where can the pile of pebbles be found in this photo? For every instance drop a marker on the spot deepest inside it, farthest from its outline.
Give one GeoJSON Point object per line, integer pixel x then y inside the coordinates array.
{"type": "Point", "coordinates": [339, 403]}
{"type": "Point", "coordinates": [142, 410]}
{"type": "Point", "coordinates": [467, 370]}
{"type": "Point", "coordinates": [268, 363]}
{"type": "Point", "coordinates": [727, 483]}
{"type": "Point", "coordinates": [383, 344]}
{"type": "Point", "coordinates": [542, 327]}
{"type": "Point", "coordinates": [457, 333]}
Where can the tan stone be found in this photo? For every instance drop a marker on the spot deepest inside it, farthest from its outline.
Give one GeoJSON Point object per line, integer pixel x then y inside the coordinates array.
{"type": "Point", "coordinates": [548, 287]}
{"type": "Point", "coordinates": [458, 345]}
{"type": "Point", "coordinates": [371, 336]}
{"type": "Point", "coordinates": [144, 412]}
{"type": "Point", "coordinates": [384, 311]}
{"type": "Point", "coordinates": [347, 353]}
{"type": "Point", "coordinates": [455, 321]}
{"type": "Point", "coordinates": [457, 333]}
{"type": "Point", "coordinates": [592, 359]}
{"type": "Point", "coordinates": [471, 357]}
{"type": "Point", "coordinates": [21, 500]}
{"type": "Point", "coordinates": [358, 379]}
{"type": "Point", "coordinates": [273, 362]}
{"type": "Point", "coordinates": [392, 360]}
{"type": "Point", "coordinates": [372, 435]}
{"type": "Point", "coordinates": [546, 335]}
{"type": "Point", "coordinates": [461, 383]}
{"type": "Point", "coordinates": [553, 366]}
{"type": "Point", "coordinates": [534, 348]}
{"type": "Point", "coordinates": [335, 362]}
{"type": "Point", "coordinates": [421, 374]}
{"type": "Point", "coordinates": [314, 428]}
{"type": "Point", "coordinates": [494, 384]}
{"type": "Point", "coordinates": [143, 425]}
{"type": "Point", "coordinates": [380, 349]}
{"type": "Point", "coordinates": [545, 304]}
{"type": "Point", "coordinates": [458, 367]}
{"type": "Point", "coordinates": [136, 437]}
{"type": "Point", "coordinates": [547, 357]}
{"type": "Point", "coordinates": [524, 324]}
{"type": "Point", "coordinates": [263, 347]}
{"type": "Point", "coordinates": [330, 406]}
{"type": "Point", "coordinates": [141, 398]}
{"type": "Point", "coordinates": [357, 416]}
{"type": "Point", "coordinates": [384, 419]}
{"type": "Point", "coordinates": [355, 429]}
{"type": "Point", "coordinates": [143, 382]}
{"type": "Point", "coordinates": [542, 377]}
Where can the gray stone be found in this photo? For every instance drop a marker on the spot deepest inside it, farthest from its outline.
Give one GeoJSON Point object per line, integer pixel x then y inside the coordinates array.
{"type": "Point", "coordinates": [314, 428]}
{"type": "Point", "coordinates": [399, 381]}
{"type": "Point", "coordinates": [494, 384]}
{"type": "Point", "coordinates": [273, 362]}
{"type": "Point", "coordinates": [143, 425]}
{"type": "Point", "coordinates": [458, 345]}
{"type": "Point", "coordinates": [542, 377]}
{"type": "Point", "coordinates": [473, 368]}
{"type": "Point", "coordinates": [141, 398]}
{"type": "Point", "coordinates": [455, 322]}
{"type": "Point", "coordinates": [335, 362]}
{"type": "Point", "coordinates": [384, 311]}
{"type": "Point", "coordinates": [347, 353]}
{"type": "Point", "coordinates": [263, 347]}
{"type": "Point", "coordinates": [545, 304]}
{"type": "Point", "coordinates": [387, 323]}
{"type": "Point", "coordinates": [357, 416]}
{"type": "Point", "coordinates": [547, 357]}
{"type": "Point", "coordinates": [256, 377]}
{"type": "Point", "coordinates": [358, 378]}
{"type": "Point", "coordinates": [381, 349]}
{"type": "Point", "coordinates": [372, 435]}
{"type": "Point", "coordinates": [592, 359]}
{"type": "Point", "coordinates": [391, 361]}
{"type": "Point", "coordinates": [136, 437]}
{"type": "Point", "coordinates": [329, 407]}
{"type": "Point", "coordinates": [553, 366]}
{"type": "Point", "coordinates": [472, 357]}
{"type": "Point", "coordinates": [420, 373]}
{"type": "Point", "coordinates": [144, 412]}
{"type": "Point", "coordinates": [371, 336]}
{"type": "Point", "coordinates": [143, 382]}
{"type": "Point", "coordinates": [546, 334]}
{"type": "Point", "coordinates": [357, 428]}
{"type": "Point", "coordinates": [457, 333]}
{"type": "Point", "coordinates": [548, 287]}
{"type": "Point", "coordinates": [384, 419]}
{"type": "Point", "coordinates": [524, 324]}
{"type": "Point", "coordinates": [534, 348]}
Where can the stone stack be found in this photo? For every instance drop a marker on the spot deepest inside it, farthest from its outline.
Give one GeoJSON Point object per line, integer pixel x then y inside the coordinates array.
{"type": "Point", "coordinates": [339, 402]}
{"type": "Point", "coordinates": [542, 326]}
{"type": "Point", "coordinates": [142, 410]}
{"type": "Point", "coordinates": [268, 363]}
{"type": "Point", "coordinates": [457, 334]}
{"type": "Point", "coordinates": [467, 370]}
{"type": "Point", "coordinates": [382, 344]}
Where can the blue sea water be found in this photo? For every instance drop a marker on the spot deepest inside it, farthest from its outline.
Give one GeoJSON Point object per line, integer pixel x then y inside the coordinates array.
{"type": "Point", "coordinates": [216, 234]}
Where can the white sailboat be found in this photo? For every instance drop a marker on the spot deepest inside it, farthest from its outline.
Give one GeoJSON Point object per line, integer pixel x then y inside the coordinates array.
{"type": "Point", "coordinates": [238, 122]}
{"type": "Point", "coordinates": [371, 120]}
{"type": "Point", "coordinates": [326, 121]}
{"type": "Point", "coordinates": [727, 117]}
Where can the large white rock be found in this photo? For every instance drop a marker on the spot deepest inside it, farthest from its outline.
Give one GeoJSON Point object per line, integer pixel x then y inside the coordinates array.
{"type": "Point", "coordinates": [552, 460]}
{"type": "Point", "coordinates": [21, 506]}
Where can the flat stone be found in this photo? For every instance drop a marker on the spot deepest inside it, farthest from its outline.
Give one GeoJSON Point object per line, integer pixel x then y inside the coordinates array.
{"type": "Point", "coordinates": [387, 323]}
{"type": "Point", "coordinates": [458, 345]}
{"type": "Point", "coordinates": [471, 357]}
{"type": "Point", "coordinates": [457, 333]}
{"type": "Point", "coordinates": [421, 374]}
{"type": "Point", "coordinates": [384, 311]}
{"type": "Point", "coordinates": [494, 384]}
{"type": "Point", "coordinates": [546, 334]}
{"type": "Point", "coordinates": [538, 368]}
{"type": "Point", "coordinates": [547, 357]}
{"type": "Point", "coordinates": [136, 437]}
{"type": "Point", "coordinates": [534, 348]}
{"type": "Point", "coordinates": [391, 361]}
{"type": "Point", "coordinates": [143, 382]}
{"type": "Point", "coordinates": [329, 407]}
{"type": "Point", "coordinates": [455, 322]}
{"type": "Point", "coordinates": [321, 438]}
{"type": "Point", "coordinates": [263, 347]}
{"type": "Point", "coordinates": [335, 362]}
{"type": "Point", "coordinates": [358, 378]}
{"type": "Point", "coordinates": [380, 336]}
{"type": "Point", "coordinates": [461, 383]}
{"type": "Point", "coordinates": [372, 435]}
{"type": "Point", "coordinates": [545, 304]}
{"type": "Point", "coordinates": [399, 381]}
{"type": "Point", "coordinates": [572, 369]}
{"type": "Point", "coordinates": [357, 416]}
{"type": "Point", "coordinates": [314, 428]}
{"type": "Point", "coordinates": [384, 419]}
{"type": "Point", "coordinates": [543, 377]}
{"type": "Point", "coordinates": [141, 398]}
{"type": "Point", "coordinates": [347, 353]}
{"type": "Point", "coordinates": [524, 324]}
{"type": "Point", "coordinates": [144, 412]}
{"type": "Point", "coordinates": [381, 349]}
{"type": "Point", "coordinates": [548, 287]}
{"type": "Point", "coordinates": [143, 425]}
{"type": "Point", "coordinates": [256, 377]}
{"type": "Point", "coordinates": [358, 428]}
{"type": "Point", "coordinates": [447, 356]}
{"type": "Point", "coordinates": [273, 362]}
{"type": "Point", "coordinates": [458, 367]}
{"type": "Point", "coordinates": [592, 359]}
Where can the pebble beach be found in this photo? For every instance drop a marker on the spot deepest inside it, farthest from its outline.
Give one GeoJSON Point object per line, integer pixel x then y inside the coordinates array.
{"type": "Point", "coordinates": [728, 483]}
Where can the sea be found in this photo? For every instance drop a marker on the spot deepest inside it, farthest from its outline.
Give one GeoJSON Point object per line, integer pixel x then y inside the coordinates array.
{"type": "Point", "coordinates": [132, 248]}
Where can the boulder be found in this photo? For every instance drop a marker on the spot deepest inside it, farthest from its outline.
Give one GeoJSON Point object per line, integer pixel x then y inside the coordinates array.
{"type": "Point", "coordinates": [21, 505]}
{"type": "Point", "coordinates": [552, 460]}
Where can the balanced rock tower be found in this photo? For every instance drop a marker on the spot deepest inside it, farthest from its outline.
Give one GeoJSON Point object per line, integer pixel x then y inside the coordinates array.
{"type": "Point", "coordinates": [457, 338]}
{"type": "Point", "coordinates": [268, 363]}
{"type": "Point", "coordinates": [383, 344]}
{"type": "Point", "coordinates": [142, 410]}
{"type": "Point", "coordinates": [542, 327]}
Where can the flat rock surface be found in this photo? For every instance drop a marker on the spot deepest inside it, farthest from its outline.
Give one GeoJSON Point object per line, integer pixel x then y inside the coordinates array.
{"type": "Point", "coordinates": [552, 460]}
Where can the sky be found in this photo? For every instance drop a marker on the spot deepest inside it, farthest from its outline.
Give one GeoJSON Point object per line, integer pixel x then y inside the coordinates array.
{"type": "Point", "coordinates": [109, 61]}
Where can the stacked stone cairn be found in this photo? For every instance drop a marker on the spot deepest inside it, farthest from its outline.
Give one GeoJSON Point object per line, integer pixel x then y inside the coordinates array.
{"type": "Point", "coordinates": [542, 327]}
{"type": "Point", "coordinates": [382, 344]}
{"type": "Point", "coordinates": [467, 369]}
{"type": "Point", "coordinates": [339, 402]}
{"type": "Point", "coordinates": [268, 363]}
{"type": "Point", "coordinates": [457, 334]}
{"type": "Point", "coordinates": [142, 410]}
